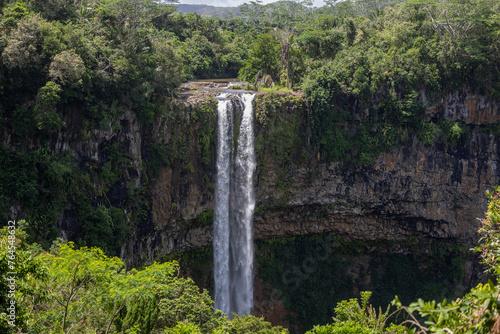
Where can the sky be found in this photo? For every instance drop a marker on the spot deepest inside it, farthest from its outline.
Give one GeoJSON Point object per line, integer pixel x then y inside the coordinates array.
{"type": "Point", "coordinates": [232, 3]}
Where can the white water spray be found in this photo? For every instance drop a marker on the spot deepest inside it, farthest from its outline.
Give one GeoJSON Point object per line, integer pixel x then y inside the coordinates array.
{"type": "Point", "coordinates": [234, 207]}
{"type": "Point", "coordinates": [221, 211]}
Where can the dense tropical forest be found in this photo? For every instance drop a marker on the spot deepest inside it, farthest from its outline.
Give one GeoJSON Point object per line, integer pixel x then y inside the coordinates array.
{"type": "Point", "coordinates": [364, 69]}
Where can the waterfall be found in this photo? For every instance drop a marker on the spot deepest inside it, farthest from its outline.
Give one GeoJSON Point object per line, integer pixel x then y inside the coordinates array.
{"type": "Point", "coordinates": [234, 206]}
{"type": "Point", "coordinates": [221, 211]}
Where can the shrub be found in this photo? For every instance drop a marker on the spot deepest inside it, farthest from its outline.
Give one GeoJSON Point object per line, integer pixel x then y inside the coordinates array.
{"type": "Point", "coordinates": [23, 47]}
{"type": "Point", "coordinates": [66, 67]}
{"type": "Point", "coordinates": [355, 318]}
{"type": "Point", "coordinates": [452, 131]}
{"type": "Point", "coordinates": [46, 116]}
{"type": "Point", "coordinates": [428, 133]}
{"type": "Point", "coordinates": [349, 327]}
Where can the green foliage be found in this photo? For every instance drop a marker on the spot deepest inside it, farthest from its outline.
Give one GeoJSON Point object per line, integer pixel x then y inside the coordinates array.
{"type": "Point", "coordinates": [23, 123]}
{"type": "Point", "coordinates": [96, 74]}
{"type": "Point", "coordinates": [206, 135]}
{"type": "Point", "coordinates": [428, 133]}
{"type": "Point", "coordinates": [319, 43]}
{"type": "Point", "coordinates": [183, 301]}
{"type": "Point", "coordinates": [280, 115]}
{"type": "Point", "coordinates": [263, 57]}
{"type": "Point", "coordinates": [239, 324]}
{"type": "Point", "coordinates": [199, 261]}
{"type": "Point", "coordinates": [14, 12]}
{"type": "Point", "coordinates": [167, 75]}
{"type": "Point", "coordinates": [336, 87]}
{"type": "Point", "coordinates": [197, 131]}
{"type": "Point", "coordinates": [89, 292]}
{"type": "Point", "coordinates": [74, 279]}
{"type": "Point", "coordinates": [183, 328]}
{"type": "Point", "coordinates": [38, 180]}
{"type": "Point", "coordinates": [363, 70]}
{"type": "Point", "coordinates": [55, 10]}
{"type": "Point", "coordinates": [447, 131]}
{"type": "Point", "coordinates": [101, 223]}
{"type": "Point", "coordinates": [308, 276]}
{"type": "Point", "coordinates": [489, 235]}
{"type": "Point", "coordinates": [16, 252]}
{"type": "Point", "coordinates": [376, 76]}
{"type": "Point", "coordinates": [43, 183]}
{"type": "Point", "coordinates": [452, 131]}
{"type": "Point", "coordinates": [347, 327]}
{"type": "Point", "coordinates": [403, 274]}
{"type": "Point", "coordinates": [200, 55]}
{"type": "Point", "coordinates": [353, 317]}
{"type": "Point", "coordinates": [205, 218]}
{"type": "Point", "coordinates": [207, 50]}
{"type": "Point", "coordinates": [362, 65]}
{"type": "Point", "coordinates": [248, 324]}
{"type": "Point", "coordinates": [159, 158]}
{"type": "Point", "coordinates": [276, 88]}
{"type": "Point", "coordinates": [476, 312]}
{"type": "Point", "coordinates": [66, 67]}
{"type": "Point", "coordinates": [103, 227]}
{"type": "Point", "coordinates": [363, 314]}
{"type": "Point", "coordinates": [280, 135]}
{"type": "Point", "coordinates": [46, 116]}
{"type": "Point", "coordinates": [492, 128]}
{"type": "Point", "coordinates": [139, 202]}
{"type": "Point", "coordinates": [89, 62]}
{"type": "Point", "coordinates": [25, 45]}
{"type": "Point", "coordinates": [86, 291]}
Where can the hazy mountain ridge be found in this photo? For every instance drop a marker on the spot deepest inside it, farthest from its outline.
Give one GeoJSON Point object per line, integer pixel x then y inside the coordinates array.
{"type": "Point", "coordinates": [207, 10]}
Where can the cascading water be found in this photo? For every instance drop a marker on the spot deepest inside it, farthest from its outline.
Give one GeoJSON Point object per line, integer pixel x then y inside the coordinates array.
{"type": "Point", "coordinates": [221, 211]}
{"type": "Point", "coordinates": [234, 206]}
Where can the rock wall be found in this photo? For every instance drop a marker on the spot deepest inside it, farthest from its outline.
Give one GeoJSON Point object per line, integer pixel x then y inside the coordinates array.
{"type": "Point", "coordinates": [428, 191]}
{"type": "Point", "coordinates": [409, 198]}
{"type": "Point", "coordinates": [465, 106]}
{"type": "Point", "coordinates": [431, 192]}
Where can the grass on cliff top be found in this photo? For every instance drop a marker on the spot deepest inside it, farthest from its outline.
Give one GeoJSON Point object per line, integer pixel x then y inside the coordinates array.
{"type": "Point", "coordinates": [275, 89]}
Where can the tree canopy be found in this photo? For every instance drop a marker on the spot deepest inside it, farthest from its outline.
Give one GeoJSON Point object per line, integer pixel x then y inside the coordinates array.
{"type": "Point", "coordinates": [84, 291]}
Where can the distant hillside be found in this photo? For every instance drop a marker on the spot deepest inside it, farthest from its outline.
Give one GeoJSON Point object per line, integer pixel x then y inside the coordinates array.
{"type": "Point", "coordinates": [222, 12]}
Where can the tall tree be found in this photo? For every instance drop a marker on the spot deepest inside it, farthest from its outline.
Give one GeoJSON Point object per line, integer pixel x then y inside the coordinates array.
{"type": "Point", "coordinates": [283, 16]}
{"type": "Point", "coordinates": [132, 15]}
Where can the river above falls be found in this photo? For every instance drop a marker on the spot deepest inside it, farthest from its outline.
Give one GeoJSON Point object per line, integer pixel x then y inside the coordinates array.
{"type": "Point", "coordinates": [231, 85]}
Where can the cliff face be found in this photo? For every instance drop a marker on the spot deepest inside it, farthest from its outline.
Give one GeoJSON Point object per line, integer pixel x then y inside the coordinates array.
{"type": "Point", "coordinates": [433, 192]}
{"type": "Point", "coordinates": [466, 107]}
{"type": "Point", "coordinates": [414, 204]}
{"type": "Point", "coordinates": [428, 191]}
{"type": "Point", "coordinates": [412, 195]}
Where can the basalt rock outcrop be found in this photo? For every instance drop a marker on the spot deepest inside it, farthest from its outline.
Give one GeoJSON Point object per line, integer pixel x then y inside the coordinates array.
{"type": "Point", "coordinates": [430, 192]}
{"type": "Point", "coordinates": [427, 191]}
